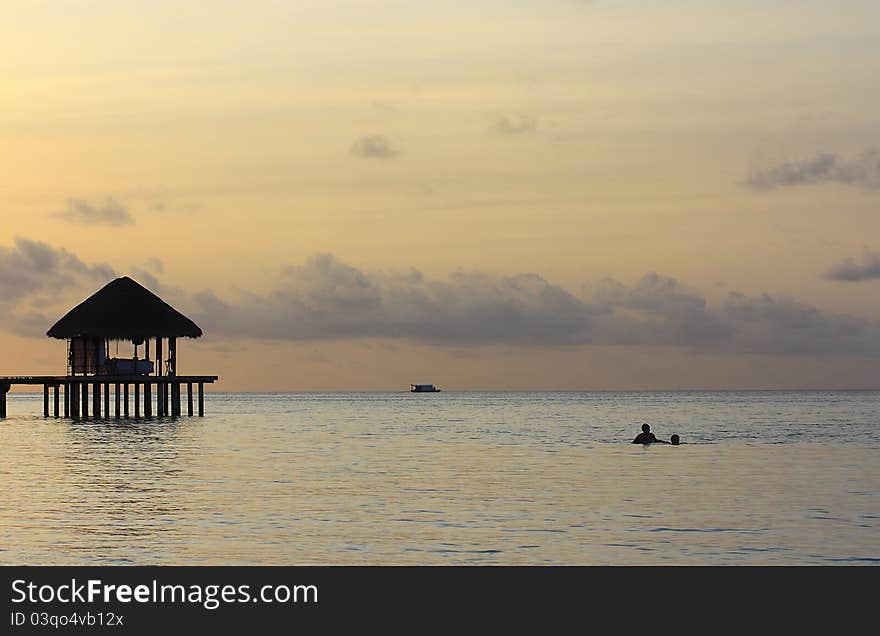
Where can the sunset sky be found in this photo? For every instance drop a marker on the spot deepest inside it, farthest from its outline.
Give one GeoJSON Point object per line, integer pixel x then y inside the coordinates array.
{"type": "Point", "coordinates": [518, 194]}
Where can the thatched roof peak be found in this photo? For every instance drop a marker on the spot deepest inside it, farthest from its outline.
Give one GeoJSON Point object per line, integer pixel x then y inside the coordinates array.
{"type": "Point", "coordinates": [124, 310]}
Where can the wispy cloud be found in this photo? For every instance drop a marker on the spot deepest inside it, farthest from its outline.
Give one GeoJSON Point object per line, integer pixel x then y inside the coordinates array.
{"type": "Point", "coordinates": [111, 213]}
{"type": "Point", "coordinates": [516, 124]}
{"type": "Point", "coordinates": [849, 270]}
{"type": "Point", "coordinates": [374, 147]}
{"type": "Point", "coordinates": [862, 170]}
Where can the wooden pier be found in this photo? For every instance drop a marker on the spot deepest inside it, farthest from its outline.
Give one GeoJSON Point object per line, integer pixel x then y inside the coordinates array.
{"type": "Point", "coordinates": [75, 390]}
{"type": "Point", "coordinates": [123, 311]}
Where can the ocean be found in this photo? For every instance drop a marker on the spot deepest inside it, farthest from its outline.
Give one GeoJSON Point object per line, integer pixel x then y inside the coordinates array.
{"type": "Point", "coordinates": [770, 477]}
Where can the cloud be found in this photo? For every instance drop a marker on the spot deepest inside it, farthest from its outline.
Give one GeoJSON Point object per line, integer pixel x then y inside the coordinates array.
{"type": "Point", "coordinates": [33, 275]}
{"type": "Point", "coordinates": [32, 267]}
{"type": "Point", "coordinates": [374, 147]}
{"type": "Point", "coordinates": [848, 270]}
{"type": "Point", "coordinates": [328, 299]}
{"type": "Point", "coordinates": [81, 211]}
{"type": "Point", "coordinates": [783, 325]}
{"type": "Point", "coordinates": [145, 278]}
{"type": "Point", "coordinates": [862, 170]}
{"type": "Point", "coordinates": [147, 275]}
{"type": "Point", "coordinates": [512, 125]}
{"type": "Point", "coordinates": [658, 310]}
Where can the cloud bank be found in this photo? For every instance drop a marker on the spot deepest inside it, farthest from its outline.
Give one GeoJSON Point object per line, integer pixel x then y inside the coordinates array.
{"type": "Point", "coordinates": [862, 170]}
{"type": "Point", "coordinates": [848, 270]}
{"type": "Point", "coordinates": [328, 299]}
{"type": "Point", "coordinates": [82, 212]}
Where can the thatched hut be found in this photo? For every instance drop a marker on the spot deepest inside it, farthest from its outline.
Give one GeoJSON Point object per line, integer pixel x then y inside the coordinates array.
{"type": "Point", "coordinates": [122, 310]}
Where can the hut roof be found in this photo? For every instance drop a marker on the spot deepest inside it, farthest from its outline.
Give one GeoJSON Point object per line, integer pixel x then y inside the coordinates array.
{"type": "Point", "coordinates": [124, 310]}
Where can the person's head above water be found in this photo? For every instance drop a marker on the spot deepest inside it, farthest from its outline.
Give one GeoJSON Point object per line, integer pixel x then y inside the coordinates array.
{"type": "Point", "coordinates": [674, 440]}
{"type": "Point", "coordinates": [645, 428]}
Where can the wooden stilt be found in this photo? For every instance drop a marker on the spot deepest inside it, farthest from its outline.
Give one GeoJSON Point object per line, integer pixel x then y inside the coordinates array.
{"type": "Point", "coordinates": [4, 389]}
{"type": "Point", "coordinates": [74, 400]}
{"type": "Point", "coordinates": [189, 398]}
{"type": "Point", "coordinates": [56, 402]}
{"type": "Point", "coordinates": [137, 401]}
{"type": "Point", "coordinates": [148, 400]}
{"type": "Point", "coordinates": [201, 399]}
{"type": "Point", "coordinates": [165, 398]}
{"type": "Point", "coordinates": [84, 398]}
{"type": "Point", "coordinates": [158, 359]}
{"type": "Point", "coordinates": [172, 358]}
{"type": "Point", "coordinates": [45, 400]}
{"type": "Point", "coordinates": [96, 401]}
{"type": "Point", "coordinates": [116, 398]}
{"type": "Point", "coordinates": [175, 398]}
{"type": "Point", "coordinates": [67, 399]}
{"type": "Point", "coordinates": [106, 400]}
{"type": "Point", "coordinates": [125, 401]}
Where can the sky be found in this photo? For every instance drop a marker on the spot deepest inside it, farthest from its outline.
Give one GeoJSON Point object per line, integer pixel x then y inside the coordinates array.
{"type": "Point", "coordinates": [531, 194]}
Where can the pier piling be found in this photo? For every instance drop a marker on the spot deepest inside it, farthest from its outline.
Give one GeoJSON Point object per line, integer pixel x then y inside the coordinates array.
{"type": "Point", "coordinates": [148, 400]}
{"type": "Point", "coordinates": [74, 400]}
{"type": "Point", "coordinates": [45, 400]}
{"type": "Point", "coordinates": [175, 399]}
{"type": "Point", "coordinates": [56, 388]}
{"type": "Point", "coordinates": [189, 398]}
{"type": "Point", "coordinates": [4, 389]}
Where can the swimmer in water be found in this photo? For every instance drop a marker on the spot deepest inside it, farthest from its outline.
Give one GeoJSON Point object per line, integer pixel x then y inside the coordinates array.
{"type": "Point", "coordinates": [646, 436]}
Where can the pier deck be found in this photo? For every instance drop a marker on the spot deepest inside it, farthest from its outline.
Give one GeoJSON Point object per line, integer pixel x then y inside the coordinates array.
{"type": "Point", "coordinates": [76, 394]}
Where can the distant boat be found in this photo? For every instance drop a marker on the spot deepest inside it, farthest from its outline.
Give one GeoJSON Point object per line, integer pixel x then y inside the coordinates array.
{"type": "Point", "coordinates": [423, 388]}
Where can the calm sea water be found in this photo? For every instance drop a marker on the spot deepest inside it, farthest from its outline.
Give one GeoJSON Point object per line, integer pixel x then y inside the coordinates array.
{"type": "Point", "coordinates": [450, 478]}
